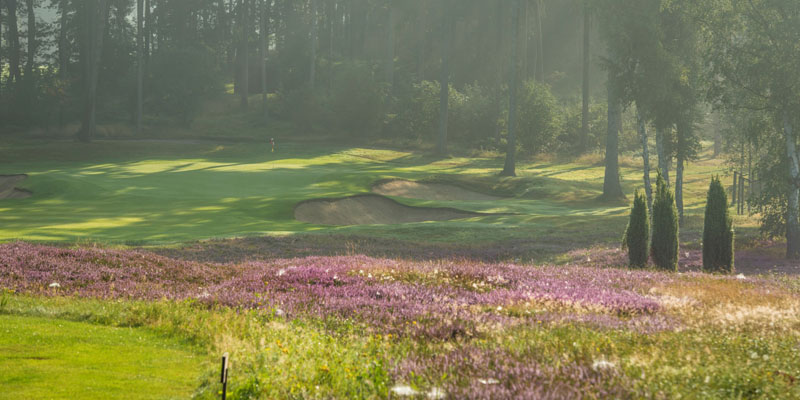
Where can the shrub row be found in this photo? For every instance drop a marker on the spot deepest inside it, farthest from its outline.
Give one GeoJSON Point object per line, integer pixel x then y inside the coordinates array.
{"type": "Point", "coordinates": [717, 230]}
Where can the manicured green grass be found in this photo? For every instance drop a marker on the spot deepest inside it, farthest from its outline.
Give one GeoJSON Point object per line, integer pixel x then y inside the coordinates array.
{"type": "Point", "coordinates": [168, 191]}
{"type": "Point", "coordinates": [46, 358]}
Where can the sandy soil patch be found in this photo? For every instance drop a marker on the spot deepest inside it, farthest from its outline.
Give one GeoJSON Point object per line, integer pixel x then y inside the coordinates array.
{"type": "Point", "coordinates": [8, 189]}
{"type": "Point", "coordinates": [429, 191]}
{"type": "Point", "coordinates": [370, 209]}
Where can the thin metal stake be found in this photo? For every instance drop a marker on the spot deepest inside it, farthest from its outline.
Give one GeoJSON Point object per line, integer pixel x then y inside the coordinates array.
{"type": "Point", "coordinates": [223, 376]}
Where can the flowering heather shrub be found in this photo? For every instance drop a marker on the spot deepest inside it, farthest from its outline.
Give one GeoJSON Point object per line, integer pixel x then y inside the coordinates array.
{"type": "Point", "coordinates": [437, 300]}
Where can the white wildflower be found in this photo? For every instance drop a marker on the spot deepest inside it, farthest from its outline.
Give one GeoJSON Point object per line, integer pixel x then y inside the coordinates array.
{"type": "Point", "coordinates": [55, 285]}
{"type": "Point", "coordinates": [403, 390]}
{"type": "Point", "coordinates": [490, 381]}
{"type": "Point", "coordinates": [281, 272]}
{"type": "Point", "coordinates": [753, 355]}
{"type": "Point", "coordinates": [602, 364]}
{"type": "Point", "coordinates": [279, 312]}
{"type": "Point", "coordinates": [499, 308]}
{"type": "Point", "coordinates": [765, 357]}
{"type": "Point", "coordinates": [436, 393]}
{"type": "Point", "coordinates": [707, 380]}
{"type": "Point", "coordinates": [740, 276]}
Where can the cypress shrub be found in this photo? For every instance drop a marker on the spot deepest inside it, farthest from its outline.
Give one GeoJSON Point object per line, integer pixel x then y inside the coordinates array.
{"type": "Point", "coordinates": [664, 247]}
{"type": "Point", "coordinates": [637, 234]}
{"type": "Point", "coordinates": [717, 231]}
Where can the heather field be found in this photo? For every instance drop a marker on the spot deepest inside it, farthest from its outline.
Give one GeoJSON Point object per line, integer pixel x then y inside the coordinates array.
{"type": "Point", "coordinates": [355, 326]}
{"type": "Point", "coordinates": [178, 252]}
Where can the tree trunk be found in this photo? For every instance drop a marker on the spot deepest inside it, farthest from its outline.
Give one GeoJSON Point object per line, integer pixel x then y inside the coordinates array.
{"type": "Point", "coordinates": [244, 85]}
{"type": "Point", "coordinates": [684, 132]}
{"type": "Point", "coordinates": [648, 187]}
{"type": "Point", "coordinates": [611, 185]}
{"type": "Point", "coordinates": [444, 81]}
{"type": "Point", "coordinates": [95, 18]}
{"type": "Point", "coordinates": [540, 42]}
{"type": "Point", "coordinates": [1, 62]}
{"type": "Point", "coordinates": [792, 222]}
{"type": "Point", "coordinates": [509, 169]}
{"type": "Point", "coordinates": [30, 64]}
{"type": "Point", "coordinates": [63, 59]}
{"type": "Point", "coordinates": [422, 30]}
{"type": "Point", "coordinates": [389, 61]}
{"type": "Point", "coordinates": [313, 70]}
{"type": "Point", "coordinates": [14, 71]}
{"type": "Point", "coordinates": [679, 187]}
{"type": "Point", "coordinates": [663, 159]}
{"type": "Point", "coordinates": [139, 63]}
{"type": "Point", "coordinates": [585, 90]}
{"type": "Point", "coordinates": [264, 49]}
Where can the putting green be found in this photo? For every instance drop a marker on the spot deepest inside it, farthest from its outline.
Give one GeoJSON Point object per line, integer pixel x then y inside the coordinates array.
{"type": "Point", "coordinates": [169, 191]}
{"type": "Point", "coordinates": [42, 358]}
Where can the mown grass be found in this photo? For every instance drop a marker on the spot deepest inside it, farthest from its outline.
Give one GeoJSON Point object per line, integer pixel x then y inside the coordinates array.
{"type": "Point", "coordinates": [157, 192]}
{"type": "Point", "coordinates": [45, 358]}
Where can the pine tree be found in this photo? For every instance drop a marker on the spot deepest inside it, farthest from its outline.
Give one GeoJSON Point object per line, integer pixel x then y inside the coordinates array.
{"type": "Point", "coordinates": [664, 247]}
{"type": "Point", "coordinates": [717, 231]}
{"type": "Point", "coordinates": [637, 233]}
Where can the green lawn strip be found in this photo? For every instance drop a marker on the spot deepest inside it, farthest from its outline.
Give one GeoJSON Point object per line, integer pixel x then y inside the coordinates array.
{"type": "Point", "coordinates": [51, 358]}
{"type": "Point", "coordinates": [153, 192]}
{"type": "Point", "coordinates": [271, 356]}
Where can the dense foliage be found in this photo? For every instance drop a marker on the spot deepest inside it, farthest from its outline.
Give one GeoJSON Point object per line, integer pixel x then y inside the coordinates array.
{"type": "Point", "coordinates": [717, 231]}
{"type": "Point", "coordinates": [637, 234]}
{"type": "Point", "coordinates": [664, 247]}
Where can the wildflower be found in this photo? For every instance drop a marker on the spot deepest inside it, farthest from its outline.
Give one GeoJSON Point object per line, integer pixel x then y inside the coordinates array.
{"type": "Point", "coordinates": [436, 393]}
{"type": "Point", "coordinates": [740, 276]}
{"type": "Point", "coordinates": [403, 390]}
{"type": "Point", "coordinates": [602, 364]}
{"type": "Point", "coordinates": [55, 285]}
{"type": "Point", "coordinates": [489, 381]}
{"type": "Point", "coordinates": [281, 272]}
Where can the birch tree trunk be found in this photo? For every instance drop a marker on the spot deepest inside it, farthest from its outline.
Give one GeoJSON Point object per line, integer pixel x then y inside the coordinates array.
{"type": "Point", "coordinates": [509, 169]}
{"type": "Point", "coordinates": [679, 187]}
{"type": "Point", "coordinates": [792, 222]}
{"type": "Point", "coordinates": [648, 187]}
{"type": "Point", "coordinates": [663, 159]}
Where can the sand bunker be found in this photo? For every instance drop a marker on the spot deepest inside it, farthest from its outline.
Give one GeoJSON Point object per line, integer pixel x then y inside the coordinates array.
{"type": "Point", "coordinates": [429, 191]}
{"type": "Point", "coordinates": [370, 209]}
{"type": "Point", "coordinates": [8, 189]}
